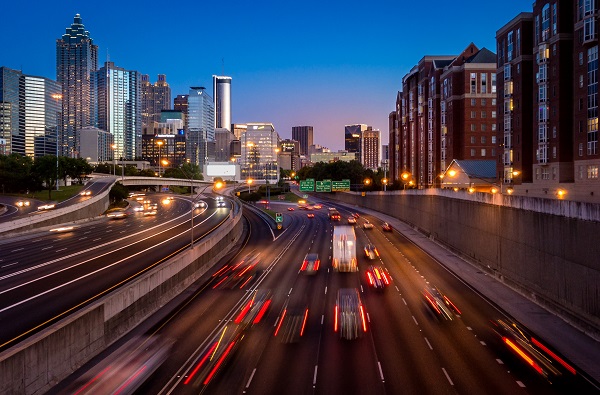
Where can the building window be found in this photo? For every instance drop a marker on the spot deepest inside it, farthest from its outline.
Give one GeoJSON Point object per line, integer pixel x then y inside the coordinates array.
{"type": "Point", "coordinates": [592, 172]}
{"type": "Point", "coordinates": [483, 152]}
{"type": "Point", "coordinates": [483, 140]}
{"type": "Point", "coordinates": [473, 82]}
{"type": "Point", "coordinates": [493, 114]}
{"type": "Point", "coordinates": [472, 152]}
{"type": "Point", "coordinates": [553, 132]}
{"type": "Point", "coordinates": [581, 58]}
{"type": "Point", "coordinates": [473, 102]}
{"type": "Point", "coordinates": [554, 18]}
{"type": "Point", "coordinates": [473, 114]}
{"type": "Point", "coordinates": [592, 108]}
{"type": "Point", "coordinates": [518, 49]}
{"type": "Point", "coordinates": [553, 49]}
{"type": "Point", "coordinates": [554, 173]}
{"type": "Point", "coordinates": [493, 83]}
{"type": "Point", "coordinates": [493, 139]}
{"type": "Point", "coordinates": [554, 152]}
{"type": "Point", "coordinates": [581, 80]}
{"type": "Point", "coordinates": [546, 22]}
{"type": "Point", "coordinates": [493, 102]}
{"type": "Point", "coordinates": [483, 127]}
{"type": "Point", "coordinates": [473, 127]}
{"type": "Point", "coordinates": [493, 127]}
{"type": "Point", "coordinates": [509, 49]}
{"type": "Point", "coordinates": [580, 149]}
{"type": "Point", "coordinates": [483, 114]}
{"type": "Point", "coordinates": [545, 173]}
{"type": "Point", "coordinates": [580, 172]}
{"type": "Point", "coordinates": [472, 139]}
{"type": "Point", "coordinates": [483, 82]}
{"type": "Point", "coordinates": [483, 102]}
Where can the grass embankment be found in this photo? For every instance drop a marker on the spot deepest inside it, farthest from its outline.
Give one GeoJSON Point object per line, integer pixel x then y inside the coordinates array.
{"type": "Point", "coordinates": [56, 196]}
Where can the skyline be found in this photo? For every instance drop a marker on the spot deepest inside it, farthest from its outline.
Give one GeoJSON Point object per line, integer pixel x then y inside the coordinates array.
{"type": "Point", "coordinates": [289, 66]}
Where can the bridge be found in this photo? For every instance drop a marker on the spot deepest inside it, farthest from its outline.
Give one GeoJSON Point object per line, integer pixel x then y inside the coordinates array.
{"type": "Point", "coordinates": [137, 180]}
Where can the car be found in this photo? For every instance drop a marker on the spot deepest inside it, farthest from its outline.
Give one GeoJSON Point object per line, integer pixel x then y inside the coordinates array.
{"type": "Point", "coordinates": [371, 252]}
{"type": "Point", "coordinates": [368, 225]}
{"type": "Point", "coordinates": [200, 204]}
{"type": "Point", "coordinates": [150, 212]}
{"type": "Point", "coordinates": [64, 228]}
{"type": "Point", "coordinates": [317, 206]}
{"type": "Point", "coordinates": [85, 193]}
{"type": "Point", "coordinates": [290, 209]}
{"type": "Point", "coordinates": [253, 311]}
{"type": "Point", "coordinates": [117, 213]}
{"type": "Point", "coordinates": [377, 277]}
{"type": "Point", "coordinates": [386, 227]}
{"type": "Point", "coordinates": [310, 215]}
{"type": "Point", "coordinates": [440, 304]}
{"type": "Point", "coordinates": [47, 206]}
{"type": "Point", "coordinates": [220, 201]}
{"type": "Point", "coordinates": [351, 221]}
{"type": "Point", "coordinates": [291, 323]}
{"type": "Point", "coordinates": [23, 203]}
{"type": "Point", "coordinates": [349, 314]}
{"type": "Point", "coordinates": [356, 215]}
{"type": "Point", "coordinates": [310, 264]}
{"type": "Point", "coordinates": [138, 208]}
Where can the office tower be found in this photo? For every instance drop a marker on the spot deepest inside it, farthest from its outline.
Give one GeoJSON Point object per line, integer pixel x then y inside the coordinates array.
{"type": "Point", "coordinates": [395, 125]}
{"type": "Point", "coordinates": [201, 127]}
{"type": "Point", "coordinates": [180, 103]}
{"type": "Point", "coordinates": [29, 113]}
{"type": "Point", "coordinates": [76, 59]}
{"type": "Point", "coordinates": [353, 137]}
{"type": "Point", "coordinates": [155, 98]}
{"type": "Point", "coordinates": [290, 149]}
{"type": "Point", "coordinates": [260, 146]}
{"type": "Point", "coordinates": [222, 101]}
{"type": "Point", "coordinates": [96, 144]}
{"type": "Point", "coordinates": [117, 108]}
{"type": "Point", "coordinates": [515, 99]}
{"type": "Point", "coordinates": [223, 139]}
{"type": "Point", "coordinates": [371, 149]}
{"type": "Point", "coordinates": [304, 135]}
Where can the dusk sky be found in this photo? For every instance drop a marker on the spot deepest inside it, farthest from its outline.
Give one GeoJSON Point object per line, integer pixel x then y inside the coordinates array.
{"type": "Point", "coordinates": [320, 63]}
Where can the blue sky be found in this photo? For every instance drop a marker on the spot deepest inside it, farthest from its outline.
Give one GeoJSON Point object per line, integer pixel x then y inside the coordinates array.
{"type": "Point", "coordinates": [320, 63]}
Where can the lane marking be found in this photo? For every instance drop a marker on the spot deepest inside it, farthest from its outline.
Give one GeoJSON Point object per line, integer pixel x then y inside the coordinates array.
{"type": "Point", "coordinates": [404, 302]}
{"type": "Point", "coordinates": [381, 371]}
{"type": "Point", "coordinates": [10, 264]}
{"type": "Point", "coordinates": [482, 342]}
{"type": "Point", "coordinates": [62, 249]}
{"type": "Point", "coordinates": [18, 249]}
{"type": "Point", "coordinates": [290, 291]}
{"type": "Point", "coordinates": [469, 328]}
{"type": "Point", "coordinates": [414, 319]}
{"type": "Point", "coordinates": [315, 375]}
{"type": "Point", "coordinates": [447, 376]}
{"type": "Point", "coordinates": [322, 318]}
{"type": "Point", "coordinates": [429, 344]}
{"type": "Point", "coordinates": [47, 248]}
{"type": "Point", "coordinates": [326, 290]}
{"type": "Point", "coordinates": [83, 238]}
{"type": "Point", "coordinates": [499, 361]}
{"type": "Point", "coordinates": [520, 384]}
{"type": "Point", "coordinates": [96, 239]}
{"type": "Point", "coordinates": [250, 379]}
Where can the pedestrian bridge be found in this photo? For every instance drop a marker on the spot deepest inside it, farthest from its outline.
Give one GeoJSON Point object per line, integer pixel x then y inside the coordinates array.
{"type": "Point", "coordinates": [137, 180]}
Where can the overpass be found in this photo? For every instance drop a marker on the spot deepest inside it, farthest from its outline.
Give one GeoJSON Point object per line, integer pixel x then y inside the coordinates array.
{"type": "Point", "coordinates": [158, 181]}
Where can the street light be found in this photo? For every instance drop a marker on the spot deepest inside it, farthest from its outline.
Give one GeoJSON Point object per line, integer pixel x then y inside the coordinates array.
{"type": "Point", "coordinates": [406, 177]}
{"type": "Point", "coordinates": [114, 148]}
{"type": "Point", "coordinates": [249, 181]}
{"type": "Point", "coordinates": [385, 182]}
{"type": "Point", "coordinates": [160, 144]}
{"type": "Point", "coordinates": [57, 97]}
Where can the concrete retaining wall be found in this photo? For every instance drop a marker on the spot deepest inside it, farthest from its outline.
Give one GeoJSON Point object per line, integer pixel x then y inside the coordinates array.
{"type": "Point", "coordinates": [39, 362]}
{"type": "Point", "coordinates": [552, 259]}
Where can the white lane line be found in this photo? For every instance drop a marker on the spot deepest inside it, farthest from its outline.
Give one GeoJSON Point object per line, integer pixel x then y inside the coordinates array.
{"type": "Point", "coordinates": [414, 319]}
{"type": "Point", "coordinates": [404, 302]}
{"type": "Point", "coordinates": [96, 239]}
{"type": "Point", "coordinates": [62, 249]}
{"type": "Point", "coordinates": [85, 233]}
{"type": "Point", "coordinates": [482, 342]}
{"type": "Point", "coordinates": [18, 249]}
{"type": "Point", "coordinates": [326, 290]}
{"type": "Point", "coordinates": [521, 384]}
{"type": "Point", "coordinates": [499, 361]}
{"type": "Point", "coordinates": [380, 371]}
{"type": "Point", "coordinates": [447, 376]}
{"type": "Point", "coordinates": [289, 293]}
{"type": "Point", "coordinates": [368, 318]}
{"type": "Point", "coordinates": [361, 289]}
{"type": "Point", "coordinates": [47, 248]}
{"type": "Point", "coordinates": [10, 264]}
{"type": "Point", "coordinates": [429, 344]}
{"type": "Point", "coordinates": [315, 375]}
{"type": "Point", "coordinates": [397, 289]}
{"type": "Point", "coordinates": [83, 238]}
{"type": "Point", "coordinates": [322, 319]}
{"type": "Point", "coordinates": [250, 379]}
{"type": "Point", "coordinates": [469, 328]}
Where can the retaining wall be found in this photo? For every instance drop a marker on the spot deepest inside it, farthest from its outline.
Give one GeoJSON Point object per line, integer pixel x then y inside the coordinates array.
{"type": "Point", "coordinates": [41, 361]}
{"type": "Point", "coordinates": [550, 258]}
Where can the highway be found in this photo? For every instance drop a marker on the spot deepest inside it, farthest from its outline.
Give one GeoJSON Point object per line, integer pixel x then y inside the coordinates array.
{"type": "Point", "coordinates": [45, 275]}
{"type": "Point", "coordinates": [220, 343]}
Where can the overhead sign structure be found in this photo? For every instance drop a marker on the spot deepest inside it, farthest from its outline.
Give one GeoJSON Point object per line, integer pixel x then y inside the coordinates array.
{"type": "Point", "coordinates": [340, 186]}
{"type": "Point", "coordinates": [323, 186]}
{"type": "Point", "coordinates": [307, 185]}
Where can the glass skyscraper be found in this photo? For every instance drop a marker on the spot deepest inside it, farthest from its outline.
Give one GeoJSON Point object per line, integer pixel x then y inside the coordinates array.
{"type": "Point", "coordinates": [76, 58]}
{"type": "Point", "coordinates": [222, 101]}
{"type": "Point", "coordinates": [117, 108]}
{"type": "Point", "coordinates": [201, 127]}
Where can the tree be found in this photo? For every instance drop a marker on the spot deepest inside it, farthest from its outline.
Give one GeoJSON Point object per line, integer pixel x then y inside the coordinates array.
{"type": "Point", "coordinates": [45, 168]}
{"type": "Point", "coordinates": [81, 169]}
{"type": "Point", "coordinates": [16, 174]}
{"type": "Point", "coordinates": [118, 192]}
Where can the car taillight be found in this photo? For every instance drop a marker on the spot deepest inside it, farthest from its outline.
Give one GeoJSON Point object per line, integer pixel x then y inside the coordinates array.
{"type": "Point", "coordinates": [304, 264]}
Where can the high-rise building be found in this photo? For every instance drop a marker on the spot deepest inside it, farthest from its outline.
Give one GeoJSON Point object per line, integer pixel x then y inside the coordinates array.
{"type": "Point", "coordinates": [304, 135]}
{"type": "Point", "coordinates": [180, 103]}
{"type": "Point", "coordinates": [223, 139]}
{"type": "Point", "coordinates": [201, 127]}
{"type": "Point", "coordinates": [155, 98]}
{"type": "Point", "coordinates": [290, 149]}
{"type": "Point", "coordinates": [352, 138]}
{"type": "Point", "coordinates": [96, 144]}
{"type": "Point", "coordinates": [371, 149]}
{"type": "Point", "coordinates": [76, 59]}
{"type": "Point", "coordinates": [29, 113]}
{"type": "Point", "coordinates": [260, 146]}
{"type": "Point", "coordinates": [222, 101]}
{"type": "Point", "coordinates": [117, 108]}
{"type": "Point", "coordinates": [515, 99]}
{"type": "Point", "coordinates": [395, 124]}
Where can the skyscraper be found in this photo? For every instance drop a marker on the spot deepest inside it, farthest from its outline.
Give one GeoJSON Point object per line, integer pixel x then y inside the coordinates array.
{"type": "Point", "coordinates": [76, 58]}
{"type": "Point", "coordinates": [304, 135]}
{"type": "Point", "coordinates": [353, 138]}
{"type": "Point", "coordinates": [222, 101]}
{"type": "Point", "coordinates": [371, 149]}
{"type": "Point", "coordinates": [155, 98]}
{"type": "Point", "coordinates": [117, 108]}
{"type": "Point", "coordinates": [201, 127]}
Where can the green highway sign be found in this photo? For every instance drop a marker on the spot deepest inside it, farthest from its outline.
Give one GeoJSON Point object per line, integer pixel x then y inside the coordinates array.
{"type": "Point", "coordinates": [307, 185]}
{"type": "Point", "coordinates": [340, 186]}
{"type": "Point", "coordinates": [278, 217]}
{"type": "Point", "coordinates": [323, 186]}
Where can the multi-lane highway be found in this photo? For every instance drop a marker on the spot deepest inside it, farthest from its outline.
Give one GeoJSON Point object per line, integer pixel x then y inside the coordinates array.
{"type": "Point", "coordinates": [48, 274]}
{"type": "Point", "coordinates": [259, 324]}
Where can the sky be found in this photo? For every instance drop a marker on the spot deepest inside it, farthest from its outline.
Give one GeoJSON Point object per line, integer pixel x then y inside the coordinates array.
{"type": "Point", "coordinates": [325, 63]}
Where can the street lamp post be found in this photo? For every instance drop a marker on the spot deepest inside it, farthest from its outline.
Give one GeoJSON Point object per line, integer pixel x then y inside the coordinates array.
{"type": "Point", "coordinates": [114, 148]}
{"type": "Point", "coordinates": [160, 144]}
{"type": "Point", "coordinates": [57, 97]}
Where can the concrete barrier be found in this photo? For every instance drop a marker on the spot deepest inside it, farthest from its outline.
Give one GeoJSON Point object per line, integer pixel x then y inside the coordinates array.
{"type": "Point", "coordinates": [548, 251]}
{"type": "Point", "coordinates": [41, 361]}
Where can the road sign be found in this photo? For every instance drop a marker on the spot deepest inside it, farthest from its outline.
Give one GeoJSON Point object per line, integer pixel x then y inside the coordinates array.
{"type": "Point", "coordinates": [278, 217]}
{"type": "Point", "coordinates": [307, 185]}
{"type": "Point", "coordinates": [323, 186]}
{"type": "Point", "coordinates": [340, 186]}
{"type": "Point", "coordinates": [279, 226]}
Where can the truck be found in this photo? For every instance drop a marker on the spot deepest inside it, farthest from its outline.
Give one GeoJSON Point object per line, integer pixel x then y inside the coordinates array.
{"type": "Point", "coordinates": [344, 249]}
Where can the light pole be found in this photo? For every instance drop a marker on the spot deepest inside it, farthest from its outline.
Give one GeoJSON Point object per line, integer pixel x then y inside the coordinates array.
{"type": "Point", "coordinates": [160, 144]}
{"type": "Point", "coordinates": [406, 177]}
{"type": "Point", "coordinates": [57, 97]}
{"type": "Point", "coordinates": [249, 181]}
{"type": "Point", "coordinates": [114, 148]}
